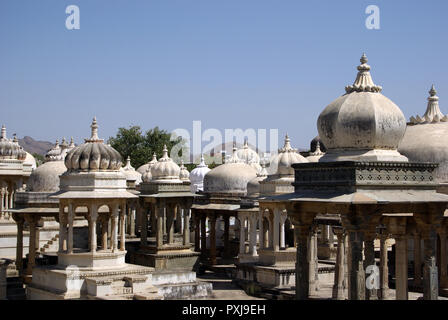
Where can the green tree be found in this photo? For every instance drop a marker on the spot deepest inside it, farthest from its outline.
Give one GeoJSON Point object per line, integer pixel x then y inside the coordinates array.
{"type": "Point", "coordinates": [141, 146]}
{"type": "Point", "coordinates": [39, 158]}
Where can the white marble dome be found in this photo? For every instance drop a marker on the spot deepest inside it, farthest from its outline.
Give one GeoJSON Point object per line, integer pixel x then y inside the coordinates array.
{"type": "Point", "coordinates": [10, 149]}
{"type": "Point", "coordinates": [165, 170]}
{"type": "Point", "coordinates": [426, 138]}
{"type": "Point", "coordinates": [197, 176]}
{"type": "Point", "coordinates": [130, 173]}
{"type": "Point", "coordinates": [45, 178]}
{"type": "Point", "coordinates": [93, 155]}
{"type": "Point", "coordinates": [30, 160]}
{"type": "Point", "coordinates": [281, 164]}
{"type": "Point", "coordinates": [247, 155]}
{"type": "Point", "coordinates": [143, 168]}
{"type": "Point", "coordinates": [253, 186]}
{"type": "Point", "coordinates": [362, 124]}
{"type": "Point", "coordinates": [184, 175]}
{"type": "Point", "coordinates": [229, 178]}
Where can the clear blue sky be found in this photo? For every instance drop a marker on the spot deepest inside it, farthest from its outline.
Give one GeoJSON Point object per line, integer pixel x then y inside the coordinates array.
{"type": "Point", "coordinates": [229, 63]}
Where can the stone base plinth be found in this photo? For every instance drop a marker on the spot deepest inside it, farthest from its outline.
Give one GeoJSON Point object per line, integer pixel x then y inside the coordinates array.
{"type": "Point", "coordinates": [168, 257]}
{"type": "Point", "coordinates": [62, 282]}
{"type": "Point", "coordinates": [247, 258]}
{"type": "Point", "coordinates": [270, 276]}
{"type": "Point", "coordinates": [180, 285]}
{"type": "Point", "coordinates": [99, 259]}
{"type": "Point", "coordinates": [269, 257]}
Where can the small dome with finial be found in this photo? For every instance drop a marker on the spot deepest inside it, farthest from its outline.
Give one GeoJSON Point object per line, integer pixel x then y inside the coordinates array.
{"type": "Point", "coordinates": [10, 149]}
{"type": "Point", "coordinates": [130, 173]}
{"type": "Point", "coordinates": [184, 175]}
{"type": "Point", "coordinates": [362, 124]}
{"type": "Point", "coordinates": [426, 138]}
{"type": "Point", "coordinates": [197, 176]}
{"type": "Point", "coordinates": [165, 170]}
{"type": "Point", "coordinates": [93, 155]}
{"type": "Point", "coordinates": [247, 155]}
{"type": "Point", "coordinates": [253, 186]}
{"type": "Point", "coordinates": [144, 168]}
{"type": "Point", "coordinates": [282, 162]}
{"type": "Point", "coordinates": [315, 155]}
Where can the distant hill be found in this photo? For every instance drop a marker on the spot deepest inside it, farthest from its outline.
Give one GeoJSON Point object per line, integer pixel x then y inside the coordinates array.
{"type": "Point", "coordinates": [32, 146]}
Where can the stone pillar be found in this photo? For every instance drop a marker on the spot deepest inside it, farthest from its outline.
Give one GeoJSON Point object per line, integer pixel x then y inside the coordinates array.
{"type": "Point", "coordinates": [443, 260]}
{"type": "Point", "coordinates": [417, 260]}
{"type": "Point", "coordinates": [114, 238]}
{"type": "Point", "coordinates": [19, 248]}
{"type": "Point", "coordinates": [430, 272]}
{"type": "Point", "coordinates": [347, 263]}
{"type": "Point", "coordinates": [226, 236]}
{"type": "Point", "coordinates": [242, 219]}
{"type": "Point", "coordinates": [92, 227]}
{"type": "Point", "coordinates": [253, 235]}
{"type": "Point", "coordinates": [357, 275]}
{"type": "Point", "coordinates": [171, 213]}
{"type": "Point", "coordinates": [261, 232]}
{"type": "Point", "coordinates": [384, 269]}
{"type": "Point", "coordinates": [266, 236]}
{"type": "Point", "coordinates": [213, 240]}
{"type": "Point", "coordinates": [144, 225]}
{"type": "Point", "coordinates": [186, 231]}
{"type": "Point", "coordinates": [339, 272]}
{"type": "Point", "coordinates": [301, 233]}
{"type": "Point", "coordinates": [197, 232]}
{"type": "Point", "coordinates": [32, 245]}
{"type": "Point", "coordinates": [71, 216]}
{"type": "Point", "coordinates": [401, 267]}
{"type": "Point", "coordinates": [282, 231]}
{"type": "Point", "coordinates": [369, 253]}
{"type": "Point", "coordinates": [122, 227]}
{"type": "Point", "coordinates": [312, 244]}
{"type": "Point", "coordinates": [2, 202]}
{"type": "Point", "coordinates": [160, 211]}
{"type": "Point", "coordinates": [132, 222]}
{"type": "Point", "coordinates": [276, 235]}
{"type": "Point", "coordinates": [271, 231]}
{"type": "Point", "coordinates": [203, 236]}
{"type": "Point", "coordinates": [104, 229]}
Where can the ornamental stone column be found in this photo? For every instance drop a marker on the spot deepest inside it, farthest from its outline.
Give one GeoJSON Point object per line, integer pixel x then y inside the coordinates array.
{"type": "Point", "coordinates": [203, 236]}
{"type": "Point", "coordinates": [160, 212]}
{"type": "Point", "coordinates": [170, 221]}
{"type": "Point", "coordinates": [104, 229]}
{"type": "Point", "coordinates": [186, 231]}
{"type": "Point", "coordinates": [242, 219]}
{"type": "Point", "coordinates": [312, 243]}
{"type": "Point", "coordinates": [226, 236]}
{"type": "Point", "coordinates": [339, 272]}
{"type": "Point", "coordinates": [122, 227]}
{"type": "Point", "coordinates": [357, 280]}
{"type": "Point", "coordinates": [430, 272]}
{"type": "Point", "coordinates": [401, 267]}
{"type": "Point", "coordinates": [132, 222]}
{"type": "Point", "coordinates": [71, 216]}
{"type": "Point", "coordinates": [197, 231]}
{"type": "Point", "coordinates": [253, 235]}
{"type": "Point", "coordinates": [283, 217]}
{"type": "Point", "coordinates": [114, 218]}
{"type": "Point", "coordinates": [213, 240]}
{"type": "Point", "coordinates": [276, 234]}
{"type": "Point", "coordinates": [369, 253]}
{"type": "Point", "coordinates": [144, 224]}
{"type": "Point", "coordinates": [384, 269]}
{"type": "Point", "coordinates": [443, 259]}
{"type": "Point", "coordinates": [32, 245]}
{"type": "Point", "coordinates": [19, 247]}
{"type": "Point", "coordinates": [261, 230]}
{"type": "Point", "coordinates": [301, 233]}
{"type": "Point", "coordinates": [92, 227]}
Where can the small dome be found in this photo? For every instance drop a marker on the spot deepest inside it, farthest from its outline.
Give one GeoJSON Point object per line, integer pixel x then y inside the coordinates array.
{"type": "Point", "coordinates": [426, 138]}
{"type": "Point", "coordinates": [93, 155]}
{"type": "Point", "coordinates": [316, 154]}
{"type": "Point", "coordinates": [281, 164]}
{"type": "Point", "coordinates": [247, 155]}
{"type": "Point", "coordinates": [143, 168]}
{"type": "Point", "coordinates": [313, 145]}
{"type": "Point", "coordinates": [165, 170]}
{"type": "Point", "coordinates": [184, 175]}
{"type": "Point", "coordinates": [10, 149]}
{"type": "Point", "coordinates": [253, 186]}
{"type": "Point", "coordinates": [229, 178]}
{"type": "Point", "coordinates": [197, 176]}
{"type": "Point", "coordinates": [362, 124]}
{"type": "Point", "coordinates": [130, 173]}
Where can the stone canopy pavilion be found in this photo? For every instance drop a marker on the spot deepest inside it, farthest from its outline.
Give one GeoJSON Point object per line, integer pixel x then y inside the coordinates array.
{"type": "Point", "coordinates": [364, 179]}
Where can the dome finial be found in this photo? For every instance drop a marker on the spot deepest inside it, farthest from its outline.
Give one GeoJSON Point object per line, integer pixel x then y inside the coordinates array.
{"type": "Point", "coordinates": [56, 145]}
{"type": "Point", "coordinates": [246, 143]}
{"type": "Point", "coordinates": [72, 144]}
{"type": "Point", "coordinates": [363, 82]}
{"type": "Point", "coordinates": [94, 127]}
{"type": "Point", "coordinates": [3, 134]}
{"type": "Point", "coordinates": [432, 91]}
{"type": "Point", "coordinates": [433, 113]}
{"type": "Point", "coordinates": [287, 145]}
{"type": "Point", "coordinates": [154, 156]}
{"type": "Point", "coordinates": [165, 152]}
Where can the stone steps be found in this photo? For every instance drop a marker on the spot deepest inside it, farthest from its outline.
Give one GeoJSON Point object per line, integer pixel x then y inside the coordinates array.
{"type": "Point", "coordinates": [51, 246]}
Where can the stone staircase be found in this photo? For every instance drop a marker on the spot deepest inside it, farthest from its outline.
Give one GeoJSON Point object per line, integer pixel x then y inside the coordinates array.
{"type": "Point", "coordinates": [52, 245]}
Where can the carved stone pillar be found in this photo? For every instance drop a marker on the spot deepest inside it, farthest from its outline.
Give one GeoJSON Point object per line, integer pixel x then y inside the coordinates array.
{"type": "Point", "coordinates": [144, 224]}
{"type": "Point", "coordinates": [242, 219]}
{"type": "Point", "coordinates": [92, 227]}
{"type": "Point", "coordinates": [213, 240]}
{"type": "Point", "coordinates": [430, 272]}
{"type": "Point", "coordinates": [276, 234]}
{"type": "Point", "coordinates": [443, 259]}
{"type": "Point", "coordinates": [104, 230]}
{"type": "Point", "coordinates": [132, 222]}
{"type": "Point", "coordinates": [32, 245]}
{"type": "Point", "coordinates": [253, 235]}
{"type": "Point", "coordinates": [339, 272]}
{"type": "Point", "coordinates": [197, 232]}
{"type": "Point", "coordinates": [369, 253]}
{"type": "Point", "coordinates": [171, 220]}
{"type": "Point", "coordinates": [312, 244]}
{"type": "Point", "coordinates": [160, 216]}
{"type": "Point", "coordinates": [114, 237]}
{"type": "Point", "coordinates": [282, 230]}
{"type": "Point", "coordinates": [19, 248]}
{"type": "Point", "coordinates": [301, 233]}
{"type": "Point", "coordinates": [384, 269]}
{"type": "Point", "coordinates": [62, 229]}
{"type": "Point", "coordinates": [226, 236]}
{"type": "Point", "coordinates": [401, 267]}
{"type": "Point", "coordinates": [71, 216]}
{"type": "Point", "coordinates": [357, 274]}
{"type": "Point", "coordinates": [203, 236]}
{"type": "Point", "coordinates": [186, 227]}
{"type": "Point", "coordinates": [122, 227]}
{"type": "Point", "coordinates": [261, 230]}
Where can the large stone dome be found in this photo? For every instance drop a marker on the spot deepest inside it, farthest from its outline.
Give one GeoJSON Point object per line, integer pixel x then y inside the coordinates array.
{"type": "Point", "coordinates": [165, 170]}
{"type": "Point", "coordinates": [45, 178]}
{"type": "Point", "coordinates": [197, 176]}
{"type": "Point", "coordinates": [10, 149]}
{"type": "Point", "coordinates": [281, 164]}
{"type": "Point", "coordinates": [229, 178]}
{"type": "Point", "coordinates": [93, 155]}
{"type": "Point", "coordinates": [426, 138]}
{"type": "Point", "coordinates": [362, 124]}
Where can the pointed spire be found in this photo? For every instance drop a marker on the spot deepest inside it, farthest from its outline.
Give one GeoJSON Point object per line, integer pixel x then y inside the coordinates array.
{"type": "Point", "coordinates": [287, 146]}
{"type": "Point", "coordinates": [15, 140]}
{"type": "Point", "coordinates": [3, 134]}
{"type": "Point", "coordinates": [128, 161]}
{"type": "Point", "coordinates": [317, 152]}
{"type": "Point", "coordinates": [72, 144]}
{"type": "Point", "coordinates": [165, 156]}
{"type": "Point", "coordinates": [246, 144]}
{"type": "Point", "coordinates": [94, 127]}
{"type": "Point", "coordinates": [202, 163]}
{"type": "Point", "coordinates": [363, 82]}
{"type": "Point", "coordinates": [433, 113]}
{"type": "Point", "coordinates": [56, 145]}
